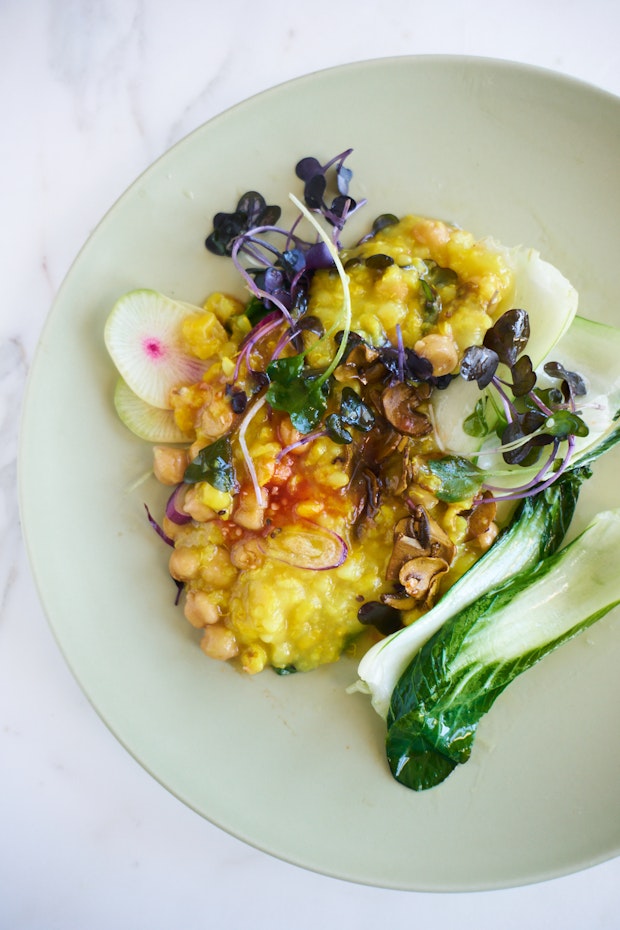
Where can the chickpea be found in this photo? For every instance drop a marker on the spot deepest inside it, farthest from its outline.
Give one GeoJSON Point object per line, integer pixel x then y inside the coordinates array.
{"type": "Point", "coordinates": [196, 508]}
{"type": "Point", "coordinates": [440, 351]}
{"type": "Point", "coordinates": [218, 570]}
{"type": "Point", "coordinates": [170, 528]}
{"type": "Point", "coordinates": [287, 434]}
{"type": "Point", "coordinates": [248, 513]}
{"type": "Point", "coordinates": [200, 609]}
{"type": "Point", "coordinates": [169, 464]}
{"type": "Point", "coordinates": [216, 417]}
{"type": "Point", "coordinates": [432, 233]}
{"type": "Point", "coordinates": [219, 642]}
{"type": "Point", "coordinates": [246, 554]}
{"type": "Point", "coordinates": [184, 563]}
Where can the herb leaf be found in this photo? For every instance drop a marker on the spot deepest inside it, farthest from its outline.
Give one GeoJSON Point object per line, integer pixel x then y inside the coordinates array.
{"type": "Point", "coordinates": [299, 394]}
{"type": "Point", "coordinates": [214, 464]}
{"type": "Point", "coordinates": [476, 423]}
{"type": "Point", "coordinates": [459, 477]}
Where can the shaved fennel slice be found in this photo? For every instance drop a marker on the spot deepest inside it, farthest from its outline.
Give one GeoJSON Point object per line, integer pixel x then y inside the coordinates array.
{"type": "Point", "coordinates": [551, 303]}
{"type": "Point", "coordinates": [541, 289]}
{"type": "Point", "coordinates": [535, 532]}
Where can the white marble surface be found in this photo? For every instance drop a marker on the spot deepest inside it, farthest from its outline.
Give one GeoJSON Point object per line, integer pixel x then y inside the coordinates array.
{"type": "Point", "coordinates": [90, 93]}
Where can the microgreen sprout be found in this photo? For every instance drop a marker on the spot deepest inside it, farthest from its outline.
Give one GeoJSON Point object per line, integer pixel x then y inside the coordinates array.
{"type": "Point", "coordinates": [532, 419]}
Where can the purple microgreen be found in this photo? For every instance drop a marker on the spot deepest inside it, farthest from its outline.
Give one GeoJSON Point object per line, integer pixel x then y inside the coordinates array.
{"type": "Point", "coordinates": [536, 485]}
{"type": "Point", "coordinates": [523, 376]}
{"type": "Point", "coordinates": [479, 364]}
{"type": "Point", "coordinates": [400, 345]}
{"type": "Point", "coordinates": [343, 179]}
{"type": "Point", "coordinates": [528, 487]}
{"type": "Point", "coordinates": [314, 189]}
{"type": "Point", "coordinates": [309, 437]}
{"type": "Point", "coordinates": [508, 336]}
{"type": "Point", "coordinates": [307, 168]}
{"type": "Point", "coordinates": [318, 256]}
{"type": "Point", "coordinates": [251, 211]}
{"type": "Point", "coordinates": [179, 586]}
{"type": "Point", "coordinates": [575, 385]}
{"type": "Point", "coordinates": [417, 367]}
{"type": "Point", "coordinates": [262, 329]}
{"type": "Point", "coordinates": [522, 439]}
{"type": "Point", "coordinates": [155, 525]}
{"type": "Point", "coordinates": [536, 400]}
{"type": "Point", "coordinates": [238, 399]}
{"type": "Point", "coordinates": [316, 183]}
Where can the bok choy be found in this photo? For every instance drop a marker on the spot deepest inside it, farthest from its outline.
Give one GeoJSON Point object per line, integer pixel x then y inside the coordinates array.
{"type": "Point", "coordinates": [539, 524]}
{"type": "Point", "coordinates": [456, 677]}
{"type": "Point", "coordinates": [536, 531]}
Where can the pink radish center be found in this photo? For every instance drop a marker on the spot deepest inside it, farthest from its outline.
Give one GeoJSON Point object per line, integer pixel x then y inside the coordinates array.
{"type": "Point", "coordinates": [154, 349]}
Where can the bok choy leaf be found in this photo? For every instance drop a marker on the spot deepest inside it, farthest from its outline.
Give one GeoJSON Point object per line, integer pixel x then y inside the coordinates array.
{"type": "Point", "coordinates": [537, 529]}
{"type": "Point", "coordinates": [456, 677]}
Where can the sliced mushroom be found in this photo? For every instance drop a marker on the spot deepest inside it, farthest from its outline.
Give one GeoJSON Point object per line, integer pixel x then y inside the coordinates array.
{"type": "Point", "coordinates": [420, 578]}
{"type": "Point", "coordinates": [379, 443]}
{"type": "Point", "coordinates": [400, 402]}
{"type": "Point", "coordinates": [480, 516]}
{"type": "Point", "coordinates": [406, 547]}
{"type": "Point", "coordinates": [431, 536]}
{"type": "Point", "coordinates": [398, 601]}
{"type": "Point", "coordinates": [361, 364]}
{"type": "Point", "coordinates": [398, 479]}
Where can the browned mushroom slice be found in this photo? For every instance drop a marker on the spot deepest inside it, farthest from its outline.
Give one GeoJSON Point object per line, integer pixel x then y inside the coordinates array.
{"type": "Point", "coordinates": [400, 401]}
{"type": "Point", "coordinates": [406, 547]}
{"type": "Point", "coordinates": [420, 578]}
{"type": "Point", "coordinates": [366, 493]}
{"type": "Point", "coordinates": [481, 516]}
{"type": "Point", "coordinates": [398, 601]}
{"type": "Point", "coordinates": [402, 472]}
{"type": "Point", "coordinates": [379, 443]}
{"type": "Point", "coordinates": [359, 363]}
{"type": "Point", "coordinates": [432, 538]}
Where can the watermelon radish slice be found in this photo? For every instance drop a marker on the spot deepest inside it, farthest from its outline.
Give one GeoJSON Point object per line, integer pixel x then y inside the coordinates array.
{"type": "Point", "coordinates": [149, 423]}
{"type": "Point", "coordinates": [143, 337]}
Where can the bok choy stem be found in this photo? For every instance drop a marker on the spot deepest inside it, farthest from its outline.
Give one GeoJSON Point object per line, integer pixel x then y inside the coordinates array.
{"type": "Point", "coordinates": [456, 677]}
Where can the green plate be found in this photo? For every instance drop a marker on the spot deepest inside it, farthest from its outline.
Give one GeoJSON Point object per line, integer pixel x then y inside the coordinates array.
{"type": "Point", "coordinates": [295, 765]}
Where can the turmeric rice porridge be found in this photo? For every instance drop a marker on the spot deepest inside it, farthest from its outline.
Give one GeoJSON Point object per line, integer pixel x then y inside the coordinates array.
{"type": "Point", "coordinates": [304, 518]}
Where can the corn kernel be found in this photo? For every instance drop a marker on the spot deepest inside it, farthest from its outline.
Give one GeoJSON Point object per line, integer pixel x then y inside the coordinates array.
{"type": "Point", "coordinates": [223, 306]}
{"type": "Point", "coordinates": [204, 334]}
{"type": "Point", "coordinates": [219, 501]}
